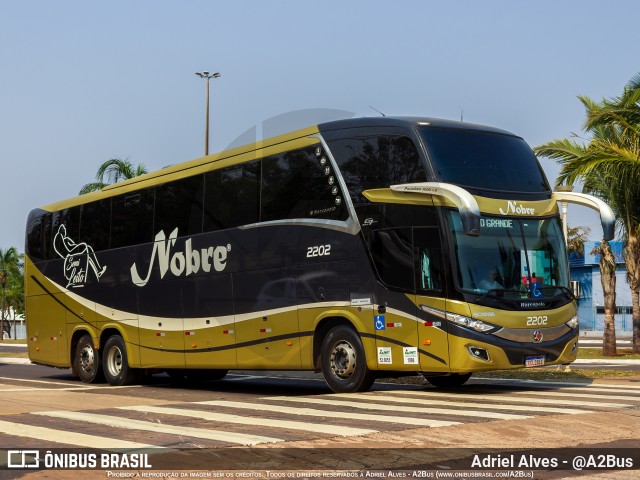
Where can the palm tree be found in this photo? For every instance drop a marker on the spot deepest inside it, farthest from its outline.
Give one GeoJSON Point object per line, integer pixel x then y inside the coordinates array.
{"type": "Point", "coordinates": [112, 171]}
{"type": "Point", "coordinates": [10, 268]}
{"type": "Point", "coordinates": [609, 166]}
{"type": "Point", "coordinates": [624, 114]}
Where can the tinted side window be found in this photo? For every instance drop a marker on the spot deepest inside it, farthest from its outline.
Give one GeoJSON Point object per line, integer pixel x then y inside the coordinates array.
{"type": "Point", "coordinates": [65, 230]}
{"type": "Point", "coordinates": [377, 162]}
{"type": "Point", "coordinates": [232, 196]}
{"type": "Point", "coordinates": [392, 254]}
{"type": "Point", "coordinates": [95, 224]}
{"type": "Point", "coordinates": [39, 235]}
{"type": "Point", "coordinates": [132, 218]}
{"type": "Point", "coordinates": [300, 184]}
{"type": "Point", "coordinates": [179, 205]}
{"type": "Point", "coordinates": [429, 263]}
{"type": "Point", "coordinates": [403, 256]}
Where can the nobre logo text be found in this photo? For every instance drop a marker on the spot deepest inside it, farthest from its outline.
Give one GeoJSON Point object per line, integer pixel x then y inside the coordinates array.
{"type": "Point", "coordinates": [513, 207]}
{"type": "Point", "coordinates": [185, 262]}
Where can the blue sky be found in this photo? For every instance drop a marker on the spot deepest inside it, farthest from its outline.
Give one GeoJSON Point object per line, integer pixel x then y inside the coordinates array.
{"type": "Point", "coordinates": [82, 82]}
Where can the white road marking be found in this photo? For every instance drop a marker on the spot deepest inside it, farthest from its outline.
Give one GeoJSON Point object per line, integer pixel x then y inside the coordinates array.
{"type": "Point", "coordinates": [556, 393]}
{"type": "Point", "coordinates": [397, 398]}
{"type": "Point", "coordinates": [337, 430]}
{"type": "Point", "coordinates": [401, 408]}
{"type": "Point", "coordinates": [417, 422]}
{"type": "Point", "coordinates": [507, 398]}
{"type": "Point", "coordinates": [69, 438]}
{"type": "Point", "coordinates": [48, 382]}
{"type": "Point", "coordinates": [129, 424]}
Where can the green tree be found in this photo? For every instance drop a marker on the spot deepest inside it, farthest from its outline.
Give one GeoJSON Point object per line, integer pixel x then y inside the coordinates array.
{"type": "Point", "coordinates": [11, 273]}
{"type": "Point", "coordinates": [576, 236]}
{"type": "Point", "coordinates": [608, 164]}
{"type": "Point", "coordinates": [112, 171]}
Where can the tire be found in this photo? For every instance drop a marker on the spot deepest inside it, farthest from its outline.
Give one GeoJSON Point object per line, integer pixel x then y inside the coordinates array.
{"type": "Point", "coordinates": [115, 363]}
{"type": "Point", "coordinates": [344, 364]}
{"type": "Point", "coordinates": [86, 361]}
{"type": "Point", "coordinates": [449, 381]}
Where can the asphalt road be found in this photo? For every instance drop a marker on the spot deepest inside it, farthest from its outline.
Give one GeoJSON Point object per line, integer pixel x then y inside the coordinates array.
{"type": "Point", "coordinates": [43, 407]}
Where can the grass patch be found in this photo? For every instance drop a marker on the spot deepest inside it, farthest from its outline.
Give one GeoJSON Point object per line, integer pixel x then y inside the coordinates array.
{"type": "Point", "coordinates": [596, 353]}
{"type": "Point", "coordinates": [553, 373]}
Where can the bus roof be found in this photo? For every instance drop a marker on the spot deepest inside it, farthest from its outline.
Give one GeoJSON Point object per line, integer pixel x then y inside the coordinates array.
{"type": "Point", "coordinates": [405, 122]}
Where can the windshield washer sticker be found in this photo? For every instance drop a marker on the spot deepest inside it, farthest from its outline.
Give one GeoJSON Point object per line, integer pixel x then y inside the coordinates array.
{"type": "Point", "coordinates": [410, 355]}
{"type": "Point", "coordinates": [379, 322]}
{"type": "Point", "coordinates": [188, 262]}
{"type": "Point", "coordinates": [360, 301]}
{"type": "Point", "coordinates": [384, 356]}
{"type": "Point", "coordinates": [513, 207]}
{"type": "Point", "coordinates": [79, 258]}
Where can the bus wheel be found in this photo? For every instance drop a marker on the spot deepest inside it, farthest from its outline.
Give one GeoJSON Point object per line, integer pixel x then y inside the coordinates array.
{"type": "Point", "coordinates": [343, 362]}
{"type": "Point", "coordinates": [86, 361]}
{"type": "Point", "coordinates": [115, 364]}
{"type": "Point", "coordinates": [449, 381]}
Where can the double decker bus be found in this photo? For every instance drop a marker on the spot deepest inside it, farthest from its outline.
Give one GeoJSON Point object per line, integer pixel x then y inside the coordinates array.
{"type": "Point", "coordinates": [357, 248]}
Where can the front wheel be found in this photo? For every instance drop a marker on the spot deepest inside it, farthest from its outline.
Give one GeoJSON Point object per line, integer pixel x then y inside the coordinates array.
{"type": "Point", "coordinates": [115, 363]}
{"type": "Point", "coordinates": [449, 381]}
{"type": "Point", "coordinates": [344, 365]}
{"type": "Point", "coordinates": [86, 361]}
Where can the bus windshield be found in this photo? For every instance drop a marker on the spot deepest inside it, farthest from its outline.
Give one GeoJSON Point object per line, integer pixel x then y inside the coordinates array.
{"type": "Point", "coordinates": [483, 160]}
{"type": "Point", "coordinates": [512, 257]}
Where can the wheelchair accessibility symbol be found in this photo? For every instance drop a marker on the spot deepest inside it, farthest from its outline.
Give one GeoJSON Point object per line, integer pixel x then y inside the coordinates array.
{"type": "Point", "coordinates": [379, 322]}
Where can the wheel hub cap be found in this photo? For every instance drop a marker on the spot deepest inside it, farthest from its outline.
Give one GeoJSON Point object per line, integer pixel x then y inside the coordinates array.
{"type": "Point", "coordinates": [343, 359]}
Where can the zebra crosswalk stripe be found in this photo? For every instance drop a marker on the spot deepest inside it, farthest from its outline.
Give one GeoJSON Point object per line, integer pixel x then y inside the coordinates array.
{"type": "Point", "coordinates": [556, 393]}
{"type": "Point", "coordinates": [396, 397]}
{"type": "Point", "coordinates": [401, 408]}
{"type": "Point", "coordinates": [516, 399]}
{"type": "Point", "coordinates": [130, 424]}
{"type": "Point", "coordinates": [69, 438]}
{"type": "Point", "coordinates": [263, 422]}
{"type": "Point", "coordinates": [419, 422]}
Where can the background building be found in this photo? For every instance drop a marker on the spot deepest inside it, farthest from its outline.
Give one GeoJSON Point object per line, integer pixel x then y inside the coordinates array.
{"type": "Point", "coordinates": [585, 278]}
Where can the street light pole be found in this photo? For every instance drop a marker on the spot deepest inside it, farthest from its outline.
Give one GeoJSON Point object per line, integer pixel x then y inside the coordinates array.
{"type": "Point", "coordinates": [208, 76]}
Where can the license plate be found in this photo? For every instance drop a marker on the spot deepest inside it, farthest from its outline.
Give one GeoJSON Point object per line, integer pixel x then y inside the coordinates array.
{"type": "Point", "coordinates": [534, 361]}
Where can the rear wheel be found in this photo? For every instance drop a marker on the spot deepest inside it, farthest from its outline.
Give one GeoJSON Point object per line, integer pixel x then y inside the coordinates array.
{"type": "Point", "coordinates": [86, 361]}
{"type": "Point", "coordinates": [344, 365]}
{"type": "Point", "coordinates": [115, 363]}
{"type": "Point", "coordinates": [449, 381]}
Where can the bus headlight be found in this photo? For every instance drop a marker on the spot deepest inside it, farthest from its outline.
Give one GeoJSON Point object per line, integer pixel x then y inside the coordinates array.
{"type": "Point", "coordinates": [477, 325]}
{"type": "Point", "coordinates": [573, 323]}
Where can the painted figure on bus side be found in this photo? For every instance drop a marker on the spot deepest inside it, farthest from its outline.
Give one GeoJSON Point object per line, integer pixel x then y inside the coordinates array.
{"type": "Point", "coordinates": [78, 259]}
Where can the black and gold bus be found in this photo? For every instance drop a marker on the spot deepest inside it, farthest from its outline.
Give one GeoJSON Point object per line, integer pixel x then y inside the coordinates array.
{"type": "Point", "coordinates": [359, 248]}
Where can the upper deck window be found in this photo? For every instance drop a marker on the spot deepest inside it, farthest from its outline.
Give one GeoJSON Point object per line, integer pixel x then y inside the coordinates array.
{"type": "Point", "coordinates": [483, 160]}
{"type": "Point", "coordinates": [377, 161]}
